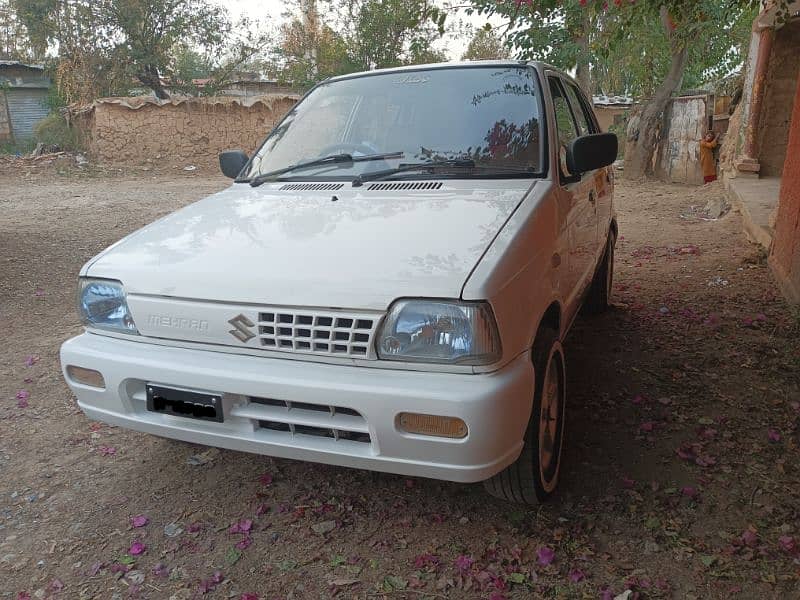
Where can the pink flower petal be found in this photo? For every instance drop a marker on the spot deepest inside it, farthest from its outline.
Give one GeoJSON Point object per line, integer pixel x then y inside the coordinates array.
{"type": "Point", "coordinates": [107, 450]}
{"type": "Point", "coordinates": [749, 538]}
{"type": "Point", "coordinates": [139, 521]}
{"type": "Point", "coordinates": [689, 491]}
{"type": "Point", "coordinates": [576, 575]}
{"type": "Point", "coordinates": [249, 596]}
{"type": "Point", "coordinates": [23, 395]}
{"type": "Point", "coordinates": [39, 292]}
{"type": "Point", "coordinates": [426, 560]}
{"type": "Point", "coordinates": [545, 556]}
{"type": "Point", "coordinates": [22, 403]}
{"type": "Point", "coordinates": [464, 562]}
{"type": "Point", "coordinates": [265, 479]}
{"type": "Point", "coordinates": [628, 483]}
{"type": "Point", "coordinates": [774, 435]}
{"type": "Point", "coordinates": [647, 426]}
{"type": "Point", "coordinates": [160, 570]}
{"type": "Point", "coordinates": [262, 509]}
{"type": "Point", "coordinates": [244, 543]}
{"type": "Point", "coordinates": [31, 360]}
{"type": "Point", "coordinates": [787, 544]}
{"type": "Point", "coordinates": [242, 526]}
{"type": "Point", "coordinates": [137, 548]}
{"type": "Point", "coordinates": [23, 596]}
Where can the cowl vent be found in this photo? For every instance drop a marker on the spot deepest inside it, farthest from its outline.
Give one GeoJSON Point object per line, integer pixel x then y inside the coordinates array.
{"type": "Point", "coordinates": [311, 187]}
{"type": "Point", "coordinates": [403, 185]}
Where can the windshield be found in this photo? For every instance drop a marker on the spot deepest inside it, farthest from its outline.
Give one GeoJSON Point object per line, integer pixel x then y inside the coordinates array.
{"type": "Point", "coordinates": [490, 115]}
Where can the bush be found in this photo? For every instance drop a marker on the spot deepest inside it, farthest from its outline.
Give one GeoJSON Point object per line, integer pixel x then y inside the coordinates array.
{"type": "Point", "coordinates": [54, 132]}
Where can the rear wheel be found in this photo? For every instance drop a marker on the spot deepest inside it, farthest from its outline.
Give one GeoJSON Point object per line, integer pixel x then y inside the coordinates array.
{"type": "Point", "coordinates": [534, 476]}
{"type": "Point", "coordinates": [599, 297]}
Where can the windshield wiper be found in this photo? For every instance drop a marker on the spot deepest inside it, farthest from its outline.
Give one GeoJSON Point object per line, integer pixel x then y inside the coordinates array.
{"type": "Point", "coordinates": [466, 163]}
{"type": "Point", "coordinates": [332, 159]}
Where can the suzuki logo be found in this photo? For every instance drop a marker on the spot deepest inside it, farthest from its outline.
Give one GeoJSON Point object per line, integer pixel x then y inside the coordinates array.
{"type": "Point", "coordinates": [241, 329]}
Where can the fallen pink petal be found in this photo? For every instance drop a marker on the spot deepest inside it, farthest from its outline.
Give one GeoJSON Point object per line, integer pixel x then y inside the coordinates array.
{"type": "Point", "coordinates": [248, 596]}
{"type": "Point", "coordinates": [139, 521]}
{"type": "Point", "coordinates": [107, 450]}
{"type": "Point", "coordinates": [265, 479]}
{"type": "Point", "coordinates": [647, 426]}
{"type": "Point", "coordinates": [22, 403]}
{"type": "Point", "coordinates": [545, 556]}
{"type": "Point", "coordinates": [464, 562]}
{"type": "Point", "coordinates": [749, 537]}
{"type": "Point", "coordinates": [628, 483]}
{"type": "Point", "coordinates": [23, 395]}
{"type": "Point", "coordinates": [31, 360]}
{"type": "Point", "coordinates": [689, 491]}
{"type": "Point", "coordinates": [38, 292]}
{"type": "Point", "coordinates": [774, 435]}
{"type": "Point", "coordinates": [137, 548]}
{"type": "Point", "coordinates": [576, 575]}
{"type": "Point", "coordinates": [244, 543]}
{"type": "Point", "coordinates": [787, 544]}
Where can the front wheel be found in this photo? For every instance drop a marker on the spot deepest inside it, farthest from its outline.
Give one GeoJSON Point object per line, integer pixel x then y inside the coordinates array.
{"type": "Point", "coordinates": [534, 476]}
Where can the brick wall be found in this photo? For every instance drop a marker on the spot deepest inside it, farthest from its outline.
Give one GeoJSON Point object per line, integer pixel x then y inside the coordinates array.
{"type": "Point", "coordinates": [785, 257]}
{"type": "Point", "coordinates": [782, 76]}
{"type": "Point", "coordinates": [179, 131]}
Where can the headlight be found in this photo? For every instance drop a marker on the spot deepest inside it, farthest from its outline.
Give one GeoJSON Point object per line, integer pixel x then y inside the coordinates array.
{"type": "Point", "coordinates": [101, 303]}
{"type": "Point", "coordinates": [440, 332]}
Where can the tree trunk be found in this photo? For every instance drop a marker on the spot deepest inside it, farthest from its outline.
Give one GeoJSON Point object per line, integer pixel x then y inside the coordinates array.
{"type": "Point", "coordinates": [149, 77]}
{"type": "Point", "coordinates": [641, 139]}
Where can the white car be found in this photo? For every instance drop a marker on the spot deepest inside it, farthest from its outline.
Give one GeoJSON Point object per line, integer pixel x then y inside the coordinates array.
{"type": "Point", "coordinates": [385, 285]}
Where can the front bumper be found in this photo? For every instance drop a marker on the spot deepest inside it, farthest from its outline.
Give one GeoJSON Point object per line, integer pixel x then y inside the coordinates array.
{"type": "Point", "coordinates": [495, 406]}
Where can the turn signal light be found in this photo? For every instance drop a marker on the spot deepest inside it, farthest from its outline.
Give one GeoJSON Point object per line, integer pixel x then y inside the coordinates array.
{"type": "Point", "coordinates": [449, 427]}
{"type": "Point", "coordinates": [88, 377]}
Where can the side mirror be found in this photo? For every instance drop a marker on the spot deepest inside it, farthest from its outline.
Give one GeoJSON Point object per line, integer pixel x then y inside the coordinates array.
{"type": "Point", "coordinates": [590, 152]}
{"type": "Point", "coordinates": [231, 162]}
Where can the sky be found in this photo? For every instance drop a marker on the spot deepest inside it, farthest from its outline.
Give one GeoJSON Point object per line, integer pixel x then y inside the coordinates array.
{"type": "Point", "coordinates": [270, 11]}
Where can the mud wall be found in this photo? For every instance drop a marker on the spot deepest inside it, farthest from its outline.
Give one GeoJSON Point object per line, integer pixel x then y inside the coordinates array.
{"type": "Point", "coordinates": [185, 131]}
{"type": "Point", "coordinates": [782, 76]}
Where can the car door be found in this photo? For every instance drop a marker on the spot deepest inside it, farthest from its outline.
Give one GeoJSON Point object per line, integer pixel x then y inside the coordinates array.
{"type": "Point", "coordinates": [577, 199]}
{"type": "Point", "coordinates": [587, 123]}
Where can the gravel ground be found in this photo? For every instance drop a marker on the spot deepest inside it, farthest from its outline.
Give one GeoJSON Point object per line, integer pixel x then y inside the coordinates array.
{"type": "Point", "coordinates": [681, 468]}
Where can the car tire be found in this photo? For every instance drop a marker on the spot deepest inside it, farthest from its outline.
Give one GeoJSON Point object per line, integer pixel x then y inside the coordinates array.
{"type": "Point", "coordinates": [599, 297]}
{"type": "Point", "coordinates": [533, 477]}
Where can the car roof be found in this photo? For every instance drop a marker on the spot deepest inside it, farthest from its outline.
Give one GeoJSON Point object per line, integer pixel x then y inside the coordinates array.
{"type": "Point", "coordinates": [448, 65]}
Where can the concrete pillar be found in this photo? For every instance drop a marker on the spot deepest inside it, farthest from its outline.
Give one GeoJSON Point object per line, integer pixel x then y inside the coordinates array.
{"type": "Point", "coordinates": [785, 256]}
{"type": "Point", "coordinates": [747, 163]}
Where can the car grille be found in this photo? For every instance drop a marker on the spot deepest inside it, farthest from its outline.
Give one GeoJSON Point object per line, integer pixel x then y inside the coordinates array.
{"type": "Point", "coordinates": [295, 419]}
{"type": "Point", "coordinates": [325, 333]}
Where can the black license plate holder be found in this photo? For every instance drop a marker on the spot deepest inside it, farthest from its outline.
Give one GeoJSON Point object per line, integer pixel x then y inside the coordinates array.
{"type": "Point", "coordinates": [185, 403]}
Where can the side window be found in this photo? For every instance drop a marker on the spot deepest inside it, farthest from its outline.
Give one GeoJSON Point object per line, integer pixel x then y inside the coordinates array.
{"type": "Point", "coordinates": [565, 123]}
{"type": "Point", "coordinates": [579, 109]}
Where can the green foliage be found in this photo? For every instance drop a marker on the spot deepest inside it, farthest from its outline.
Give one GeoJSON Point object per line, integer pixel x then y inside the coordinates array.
{"type": "Point", "coordinates": [626, 46]}
{"type": "Point", "coordinates": [54, 131]}
{"type": "Point", "coordinates": [485, 45]}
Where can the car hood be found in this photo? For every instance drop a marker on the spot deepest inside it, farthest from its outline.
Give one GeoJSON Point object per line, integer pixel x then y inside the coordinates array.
{"type": "Point", "coordinates": [350, 247]}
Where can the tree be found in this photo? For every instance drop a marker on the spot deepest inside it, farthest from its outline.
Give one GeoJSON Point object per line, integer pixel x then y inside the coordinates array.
{"type": "Point", "coordinates": [14, 43]}
{"type": "Point", "coordinates": [485, 45]}
{"type": "Point", "coordinates": [151, 29]}
{"type": "Point", "coordinates": [311, 49]}
{"type": "Point", "coordinates": [645, 48]}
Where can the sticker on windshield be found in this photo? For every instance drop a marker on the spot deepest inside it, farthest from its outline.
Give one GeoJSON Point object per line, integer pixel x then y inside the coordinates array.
{"type": "Point", "coordinates": [412, 79]}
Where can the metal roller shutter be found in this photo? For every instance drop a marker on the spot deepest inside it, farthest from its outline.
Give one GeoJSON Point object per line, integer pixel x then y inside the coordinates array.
{"type": "Point", "coordinates": [26, 107]}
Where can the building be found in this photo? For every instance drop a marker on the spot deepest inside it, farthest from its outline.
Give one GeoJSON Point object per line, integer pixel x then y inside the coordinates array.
{"type": "Point", "coordinates": [23, 99]}
{"type": "Point", "coordinates": [761, 156]}
{"type": "Point", "coordinates": [611, 110]}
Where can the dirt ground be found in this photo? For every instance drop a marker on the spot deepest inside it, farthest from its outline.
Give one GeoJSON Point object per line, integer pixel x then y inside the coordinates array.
{"type": "Point", "coordinates": [681, 475]}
